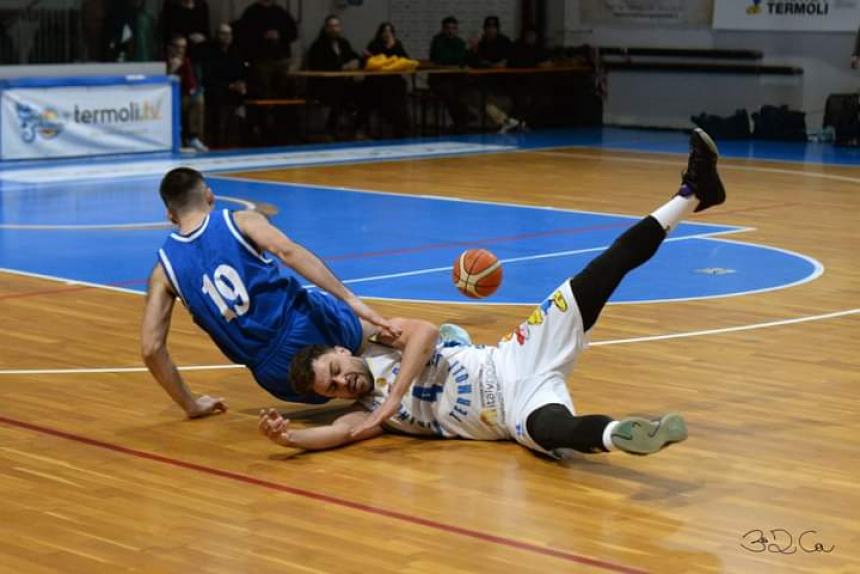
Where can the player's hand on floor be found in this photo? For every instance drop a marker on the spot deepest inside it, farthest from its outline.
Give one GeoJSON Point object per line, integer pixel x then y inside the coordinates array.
{"type": "Point", "coordinates": [275, 427]}
{"type": "Point", "coordinates": [388, 409]}
{"type": "Point", "coordinates": [204, 405]}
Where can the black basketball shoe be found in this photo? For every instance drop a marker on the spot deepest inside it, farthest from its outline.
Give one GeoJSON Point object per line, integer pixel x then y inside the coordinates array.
{"type": "Point", "coordinates": [701, 178]}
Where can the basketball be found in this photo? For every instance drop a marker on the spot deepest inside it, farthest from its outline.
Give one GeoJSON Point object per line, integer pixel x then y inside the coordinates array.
{"type": "Point", "coordinates": [477, 273]}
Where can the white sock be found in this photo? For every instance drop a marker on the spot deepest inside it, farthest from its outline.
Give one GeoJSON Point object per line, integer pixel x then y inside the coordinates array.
{"type": "Point", "coordinates": [607, 436]}
{"type": "Point", "coordinates": [676, 210]}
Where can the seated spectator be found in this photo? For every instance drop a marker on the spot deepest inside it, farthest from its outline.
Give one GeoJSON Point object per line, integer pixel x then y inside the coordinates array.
{"type": "Point", "coordinates": [225, 89]}
{"type": "Point", "coordinates": [386, 93]}
{"type": "Point", "coordinates": [193, 105]}
{"type": "Point", "coordinates": [494, 48]}
{"type": "Point", "coordinates": [130, 32]}
{"type": "Point", "coordinates": [332, 52]}
{"type": "Point", "coordinates": [189, 19]}
{"type": "Point", "coordinates": [266, 33]}
{"type": "Point", "coordinates": [449, 49]}
{"type": "Point", "coordinates": [527, 52]}
{"type": "Point", "coordinates": [527, 91]}
{"type": "Point", "coordinates": [493, 51]}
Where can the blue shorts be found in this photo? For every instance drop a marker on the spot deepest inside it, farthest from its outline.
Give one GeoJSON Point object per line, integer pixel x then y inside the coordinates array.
{"type": "Point", "coordinates": [316, 319]}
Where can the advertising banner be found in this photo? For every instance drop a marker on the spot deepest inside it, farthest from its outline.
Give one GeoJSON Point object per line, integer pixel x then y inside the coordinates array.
{"type": "Point", "coordinates": [53, 118]}
{"type": "Point", "coordinates": [790, 16]}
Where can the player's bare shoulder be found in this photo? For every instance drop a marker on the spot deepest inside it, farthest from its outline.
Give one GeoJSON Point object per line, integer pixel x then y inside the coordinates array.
{"type": "Point", "coordinates": [159, 283]}
{"type": "Point", "coordinates": [249, 219]}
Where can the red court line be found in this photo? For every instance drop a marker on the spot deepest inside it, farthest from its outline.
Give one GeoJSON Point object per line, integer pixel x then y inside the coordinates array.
{"type": "Point", "coordinates": [478, 242]}
{"type": "Point", "coordinates": [403, 517]}
{"type": "Point", "coordinates": [364, 255]}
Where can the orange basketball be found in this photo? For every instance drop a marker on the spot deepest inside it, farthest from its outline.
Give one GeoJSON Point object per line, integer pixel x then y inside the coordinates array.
{"type": "Point", "coordinates": [477, 273]}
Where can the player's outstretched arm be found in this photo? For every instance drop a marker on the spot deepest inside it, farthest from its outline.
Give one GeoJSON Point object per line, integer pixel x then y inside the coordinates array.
{"type": "Point", "coordinates": [417, 341]}
{"type": "Point", "coordinates": [277, 429]}
{"type": "Point", "coordinates": [269, 238]}
{"type": "Point", "coordinates": [153, 347]}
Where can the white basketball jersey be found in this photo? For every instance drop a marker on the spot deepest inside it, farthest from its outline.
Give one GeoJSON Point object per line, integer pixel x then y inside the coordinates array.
{"type": "Point", "coordinates": [457, 394]}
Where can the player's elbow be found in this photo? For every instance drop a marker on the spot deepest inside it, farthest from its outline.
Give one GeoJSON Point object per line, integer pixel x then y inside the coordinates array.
{"type": "Point", "coordinates": [150, 349]}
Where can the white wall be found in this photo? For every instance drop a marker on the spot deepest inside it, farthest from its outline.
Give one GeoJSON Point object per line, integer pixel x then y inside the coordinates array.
{"type": "Point", "coordinates": [416, 20]}
{"type": "Point", "coordinates": [635, 98]}
{"type": "Point", "coordinates": [668, 99]}
{"type": "Point", "coordinates": [359, 22]}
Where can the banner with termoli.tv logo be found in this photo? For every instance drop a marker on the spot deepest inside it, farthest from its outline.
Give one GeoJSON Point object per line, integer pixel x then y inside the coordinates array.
{"type": "Point", "coordinates": [785, 15]}
{"type": "Point", "coordinates": [68, 117]}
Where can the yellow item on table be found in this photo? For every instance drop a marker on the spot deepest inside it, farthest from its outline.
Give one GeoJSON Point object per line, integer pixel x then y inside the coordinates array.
{"type": "Point", "coordinates": [381, 62]}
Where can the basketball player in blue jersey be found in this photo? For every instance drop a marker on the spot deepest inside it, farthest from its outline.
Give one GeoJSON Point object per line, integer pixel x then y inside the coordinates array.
{"type": "Point", "coordinates": [516, 390]}
{"type": "Point", "coordinates": [216, 264]}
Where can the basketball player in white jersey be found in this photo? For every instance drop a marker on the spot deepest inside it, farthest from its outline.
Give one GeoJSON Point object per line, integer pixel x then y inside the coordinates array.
{"type": "Point", "coordinates": [516, 390]}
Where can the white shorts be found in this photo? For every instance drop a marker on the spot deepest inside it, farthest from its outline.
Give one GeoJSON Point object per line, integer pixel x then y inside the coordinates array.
{"type": "Point", "coordinates": [535, 359]}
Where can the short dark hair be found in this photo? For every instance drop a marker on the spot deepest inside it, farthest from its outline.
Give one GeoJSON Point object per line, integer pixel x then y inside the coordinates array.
{"type": "Point", "coordinates": [449, 20]}
{"type": "Point", "coordinates": [491, 21]}
{"type": "Point", "coordinates": [302, 368]}
{"type": "Point", "coordinates": [177, 187]}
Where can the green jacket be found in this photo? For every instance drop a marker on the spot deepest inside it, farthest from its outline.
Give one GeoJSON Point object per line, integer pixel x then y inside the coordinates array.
{"type": "Point", "coordinates": [447, 51]}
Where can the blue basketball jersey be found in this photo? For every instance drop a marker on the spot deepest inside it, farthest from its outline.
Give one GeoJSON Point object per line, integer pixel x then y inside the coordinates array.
{"type": "Point", "coordinates": [256, 314]}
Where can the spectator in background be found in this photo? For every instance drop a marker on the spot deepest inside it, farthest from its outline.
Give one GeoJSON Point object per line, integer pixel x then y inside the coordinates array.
{"type": "Point", "coordinates": [193, 105]}
{"type": "Point", "coordinates": [494, 48]}
{"type": "Point", "coordinates": [266, 33]}
{"type": "Point", "coordinates": [189, 19]}
{"type": "Point", "coordinates": [130, 32]}
{"type": "Point", "coordinates": [855, 58]}
{"type": "Point", "coordinates": [94, 25]}
{"type": "Point", "coordinates": [225, 82]}
{"type": "Point", "coordinates": [527, 52]}
{"type": "Point", "coordinates": [449, 49]}
{"type": "Point", "coordinates": [493, 51]}
{"type": "Point", "coordinates": [386, 93]}
{"type": "Point", "coordinates": [526, 91]}
{"type": "Point", "coordinates": [331, 52]}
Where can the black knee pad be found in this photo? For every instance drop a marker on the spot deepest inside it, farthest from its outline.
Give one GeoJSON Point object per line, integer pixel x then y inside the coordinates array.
{"type": "Point", "coordinates": [554, 426]}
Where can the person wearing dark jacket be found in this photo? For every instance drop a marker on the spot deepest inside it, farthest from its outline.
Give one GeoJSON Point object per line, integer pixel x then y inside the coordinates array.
{"type": "Point", "coordinates": [527, 52]}
{"type": "Point", "coordinates": [494, 48]}
{"type": "Point", "coordinates": [265, 33]}
{"type": "Point", "coordinates": [449, 49]}
{"type": "Point", "coordinates": [226, 87]}
{"type": "Point", "coordinates": [493, 51]}
{"type": "Point", "coordinates": [386, 93]}
{"type": "Point", "coordinates": [189, 19]}
{"type": "Point", "coordinates": [527, 91]}
{"type": "Point", "coordinates": [331, 52]}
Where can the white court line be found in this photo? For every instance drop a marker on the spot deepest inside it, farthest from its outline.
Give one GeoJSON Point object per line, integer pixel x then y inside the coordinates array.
{"type": "Point", "coordinates": [136, 168]}
{"type": "Point", "coordinates": [516, 260]}
{"type": "Point", "coordinates": [668, 336]}
{"type": "Point", "coordinates": [249, 205]}
{"type": "Point", "coordinates": [734, 228]}
{"type": "Point", "coordinates": [726, 329]}
{"type": "Point", "coordinates": [70, 282]}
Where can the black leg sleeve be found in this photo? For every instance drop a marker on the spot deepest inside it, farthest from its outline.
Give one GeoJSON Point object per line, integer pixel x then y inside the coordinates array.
{"type": "Point", "coordinates": [554, 426]}
{"type": "Point", "coordinates": [593, 286]}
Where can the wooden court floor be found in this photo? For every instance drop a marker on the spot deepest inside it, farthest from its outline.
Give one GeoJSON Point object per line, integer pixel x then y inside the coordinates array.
{"type": "Point", "coordinates": [100, 473]}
